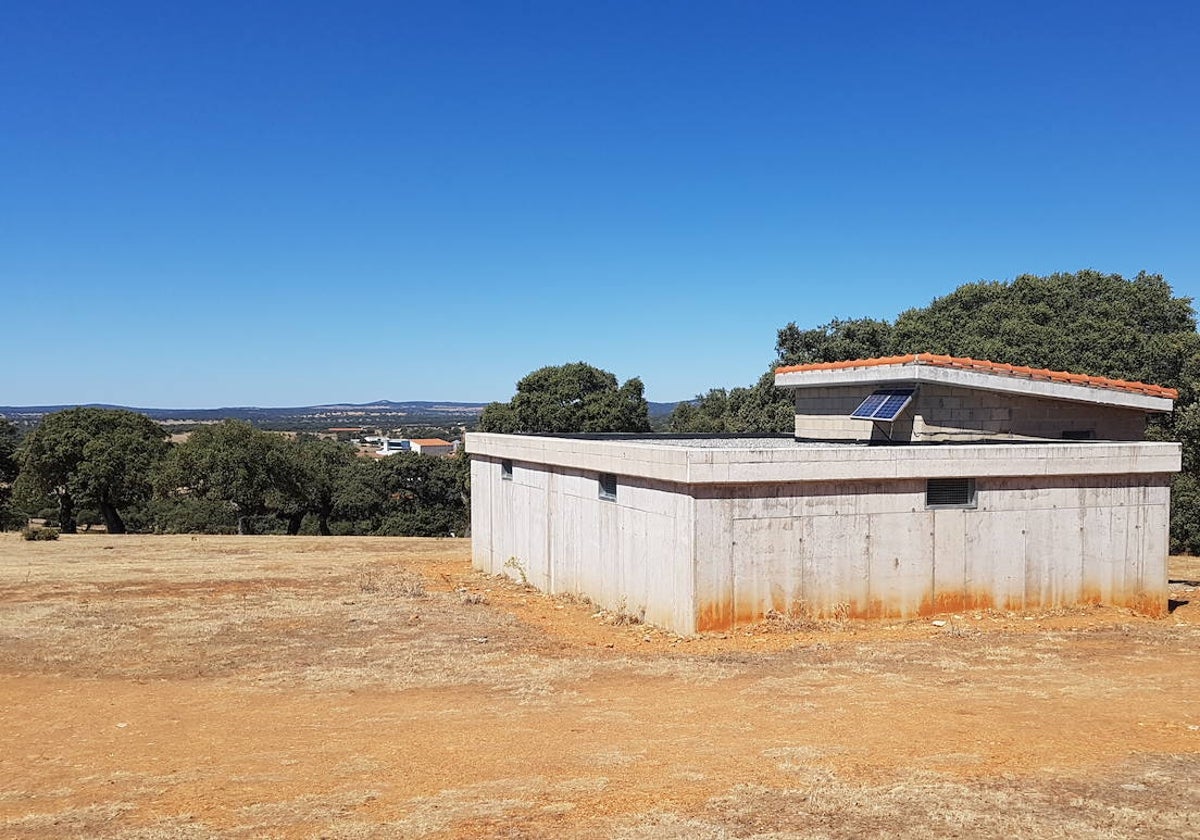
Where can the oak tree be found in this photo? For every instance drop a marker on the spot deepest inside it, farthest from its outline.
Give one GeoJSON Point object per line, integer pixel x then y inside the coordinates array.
{"type": "Point", "coordinates": [93, 456]}
{"type": "Point", "coordinates": [575, 397]}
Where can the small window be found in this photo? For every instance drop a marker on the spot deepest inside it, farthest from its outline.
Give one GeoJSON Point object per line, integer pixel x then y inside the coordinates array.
{"type": "Point", "coordinates": [1079, 434]}
{"type": "Point", "coordinates": [608, 487]}
{"type": "Point", "coordinates": [950, 493]}
{"type": "Point", "coordinates": [506, 470]}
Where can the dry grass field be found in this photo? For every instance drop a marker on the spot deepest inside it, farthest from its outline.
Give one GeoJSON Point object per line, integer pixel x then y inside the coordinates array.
{"type": "Point", "coordinates": [178, 687]}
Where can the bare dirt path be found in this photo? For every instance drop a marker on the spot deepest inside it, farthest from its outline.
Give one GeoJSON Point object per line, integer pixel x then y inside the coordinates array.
{"type": "Point", "coordinates": [177, 687]}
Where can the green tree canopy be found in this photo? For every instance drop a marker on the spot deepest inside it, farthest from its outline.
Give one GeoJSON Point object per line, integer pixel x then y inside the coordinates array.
{"type": "Point", "coordinates": [233, 462]}
{"type": "Point", "coordinates": [262, 479]}
{"type": "Point", "coordinates": [425, 495]}
{"type": "Point", "coordinates": [764, 409]}
{"type": "Point", "coordinates": [325, 468]}
{"type": "Point", "coordinates": [840, 339]}
{"type": "Point", "coordinates": [1086, 322]}
{"type": "Point", "coordinates": [574, 397]}
{"type": "Point", "coordinates": [9, 439]}
{"type": "Point", "coordinates": [760, 409]}
{"type": "Point", "coordinates": [94, 456]}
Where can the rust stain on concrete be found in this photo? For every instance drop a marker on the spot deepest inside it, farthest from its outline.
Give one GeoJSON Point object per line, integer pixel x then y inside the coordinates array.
{"type": "Point", "coordinates": [953, 602]}
{"type": "Point", "coordinates": [715, 615]}
{"type": "Point", "coordinates": [1153, 604]}
{"type": "Point", "coordinates": [727, 614]}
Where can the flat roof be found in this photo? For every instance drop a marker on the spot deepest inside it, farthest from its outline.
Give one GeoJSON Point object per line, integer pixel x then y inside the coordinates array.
{"type": "Point", "coordinates": [740, 460]}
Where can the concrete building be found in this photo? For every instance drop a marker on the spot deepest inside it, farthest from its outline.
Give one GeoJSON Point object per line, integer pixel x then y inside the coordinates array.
{"type": "Point", "coordinates": [912, 485]}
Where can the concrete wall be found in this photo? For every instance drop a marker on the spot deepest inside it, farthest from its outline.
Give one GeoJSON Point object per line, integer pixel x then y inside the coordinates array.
{"type": "Point", "coordinates": [872, 549]}
{"type": "Point", "coordinates": [548, 526]}
{"type": "Point", "coordinates": [708, 537]}
{"type": "Point", "coordinates": [948, 413]}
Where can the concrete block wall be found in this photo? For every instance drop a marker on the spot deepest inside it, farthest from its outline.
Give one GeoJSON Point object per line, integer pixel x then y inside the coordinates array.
{"type": "Point", "coordinates": [824, 413]}
{"type": "Point", "coordinates": [872, 549]}
{"type": "Point", "coordinates": [947, 413]}
{"type": "Point", "coordinates": [943, 413]}
{"type": "Point", "coordinates": [549, 527]}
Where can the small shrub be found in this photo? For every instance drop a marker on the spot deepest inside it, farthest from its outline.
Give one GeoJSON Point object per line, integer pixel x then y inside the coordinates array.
{"type": "Point", "coordinates": [406, 584]}
{"type": "Point", "coordinates": [411, 585]}
{"type": "Point", "coordinates": [33, 534]}
{"type": "Point", "coordinates": [368, 581]}
{"type": "Point", "coordinates": [622, 616]}
{"type": "Point", "coordinates": [793, 622]}
{"type": "Point", "coordinates": [516, 565]}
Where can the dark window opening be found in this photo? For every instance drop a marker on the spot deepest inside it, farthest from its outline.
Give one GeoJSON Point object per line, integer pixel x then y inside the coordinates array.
{"type": "Point", "coordinates": [506, 470]}
{"type": "Point", "coordinates": [1079, 434]}
{"type": "Point", "coordinates": [950, 492]}
{"type": "Point", "coordinates": [608, 487]}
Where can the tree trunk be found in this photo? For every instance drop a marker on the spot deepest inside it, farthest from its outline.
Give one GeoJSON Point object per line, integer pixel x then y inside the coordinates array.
{"type": "Point", "coordinates": [112, 520]}
{"type": "Point", "coordinates": [66, 513]}
{"type": "Point", "coordinates": [323, 523]}
{"type": "Point", "coordinates": [293, 523]}
{"type": "Point", "coordinates": [244, 525]}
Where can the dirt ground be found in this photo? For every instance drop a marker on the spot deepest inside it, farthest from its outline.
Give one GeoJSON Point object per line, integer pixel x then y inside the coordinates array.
{"type": "Point", "coordinates": [260, 687]}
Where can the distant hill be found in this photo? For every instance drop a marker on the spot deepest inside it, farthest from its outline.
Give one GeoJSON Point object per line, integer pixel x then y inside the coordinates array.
{"type": "Point", "coordinates": [380, 413]}
{"type": "Point", "coordinates": [311, 417]}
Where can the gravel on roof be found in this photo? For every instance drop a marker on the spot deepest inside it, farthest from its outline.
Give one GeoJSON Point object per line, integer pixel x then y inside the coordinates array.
{"type": "Point", "coordinates": [739, 443]}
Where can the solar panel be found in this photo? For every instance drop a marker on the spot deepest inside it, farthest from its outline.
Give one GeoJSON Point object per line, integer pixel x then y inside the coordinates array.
{"type": "Point", "coordinates": [884, 405]}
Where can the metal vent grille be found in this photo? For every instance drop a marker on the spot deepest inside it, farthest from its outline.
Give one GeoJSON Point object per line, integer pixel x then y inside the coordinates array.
{"type": "Point", "coordinates": [608, 487]}
{"type": "Point", "coordinates": [950, 492]}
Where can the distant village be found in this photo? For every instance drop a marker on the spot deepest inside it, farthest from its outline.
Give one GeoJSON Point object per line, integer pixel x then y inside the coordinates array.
{"type": "Point", "coordinates": [368, 441]}
{"type": "Point", "coordinates": [383, 445]}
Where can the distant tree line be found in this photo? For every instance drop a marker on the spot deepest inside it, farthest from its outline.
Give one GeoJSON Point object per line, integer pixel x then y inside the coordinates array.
{"type": "Point", "coordinates": [91, 466]}
{"type": "Point", "coordinates": [116, 467]}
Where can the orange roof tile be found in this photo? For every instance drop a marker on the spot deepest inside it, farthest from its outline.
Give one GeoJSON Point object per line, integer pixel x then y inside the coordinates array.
{"type": "Point", "coordinates": [992, 367]}
{"type": "Point", "coordinates": [431, 442]}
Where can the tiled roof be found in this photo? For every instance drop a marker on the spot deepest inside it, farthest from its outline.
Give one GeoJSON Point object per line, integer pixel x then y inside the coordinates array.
{"type": "Point", "coordinates": [431, 442]}
{"type": "Point", "coordinates": [992, 367]}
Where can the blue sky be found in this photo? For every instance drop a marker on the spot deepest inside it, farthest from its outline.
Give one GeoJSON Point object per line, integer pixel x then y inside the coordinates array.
{"type": "Point", "coordinates": [284, 204]}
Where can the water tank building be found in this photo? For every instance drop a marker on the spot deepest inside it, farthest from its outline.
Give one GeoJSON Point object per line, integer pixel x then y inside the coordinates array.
{"type": "Point", "coordinates": [911, 485]}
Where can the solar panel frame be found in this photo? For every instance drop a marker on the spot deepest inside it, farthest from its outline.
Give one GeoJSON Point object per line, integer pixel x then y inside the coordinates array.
{"type": "Point", "coordinates": [884, 404]}
{"type": "Point", "coordinates": [870, 405]}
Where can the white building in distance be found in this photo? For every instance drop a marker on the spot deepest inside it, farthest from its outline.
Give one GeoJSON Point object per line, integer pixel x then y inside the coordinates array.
{"type": "Point", "coordinates": [432, 446]}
